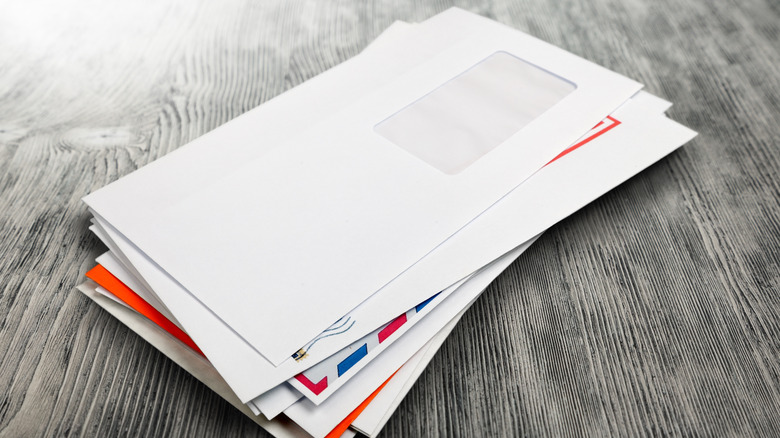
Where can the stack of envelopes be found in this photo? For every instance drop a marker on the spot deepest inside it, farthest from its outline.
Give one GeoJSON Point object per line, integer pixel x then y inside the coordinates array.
{"type": "Point", "coordinates": [307, 259]}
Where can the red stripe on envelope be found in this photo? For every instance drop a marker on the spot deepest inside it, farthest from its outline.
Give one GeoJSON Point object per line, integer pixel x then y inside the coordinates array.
{"type": "Point", "coordinates": [391, 328]}
{"type": "Point", "coordinates": [316, 388]}
{"type": "Point", "coordinates": [606, 129]}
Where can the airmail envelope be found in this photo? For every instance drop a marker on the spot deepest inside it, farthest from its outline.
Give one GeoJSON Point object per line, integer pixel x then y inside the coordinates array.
{"type": "Point", "coordinates": [315, 226]}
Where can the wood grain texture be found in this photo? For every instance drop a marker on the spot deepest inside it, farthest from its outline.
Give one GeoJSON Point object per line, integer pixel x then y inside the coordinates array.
{"type": "Point", "coordinates": [653, 311]}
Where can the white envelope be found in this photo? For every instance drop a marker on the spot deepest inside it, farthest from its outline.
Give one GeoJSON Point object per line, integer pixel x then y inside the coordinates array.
{"type": "Point", "coordinates": [354, 208]}
{"type": "Point", "coordinates": [649, 101]}
{"type": "Point", "coordinates": [230, 353]}
{"type": "Point", "coordinates": [612, 150]}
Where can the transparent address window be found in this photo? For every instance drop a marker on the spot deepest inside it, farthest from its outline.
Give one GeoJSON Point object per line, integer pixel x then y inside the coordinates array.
{"type": "Point", "coordinates": [470, 115]}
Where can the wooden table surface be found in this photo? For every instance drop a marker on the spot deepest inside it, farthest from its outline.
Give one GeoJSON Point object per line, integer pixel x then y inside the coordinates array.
{"type": "Point", "coordinates": [653, 311]}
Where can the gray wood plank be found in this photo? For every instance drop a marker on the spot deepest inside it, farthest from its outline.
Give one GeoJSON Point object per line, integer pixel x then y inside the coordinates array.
{"type": "Point", "coordinates": [653, 311]}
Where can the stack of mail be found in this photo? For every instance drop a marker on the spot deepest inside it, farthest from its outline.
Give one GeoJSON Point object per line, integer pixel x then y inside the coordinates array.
{"type": "Point", "coordinates": [307, 259]}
